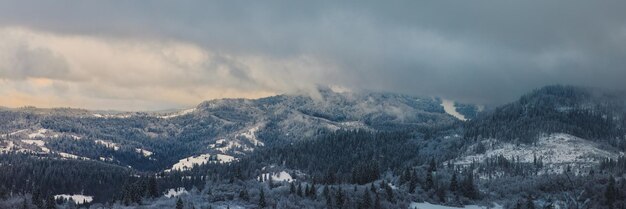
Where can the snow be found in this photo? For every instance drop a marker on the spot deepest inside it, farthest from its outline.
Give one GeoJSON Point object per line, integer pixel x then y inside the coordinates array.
{"type": "Point", "coordinates": [277, 177]}
{"type": "Point", "coordinates": [556, 151]}
{"type": "Point", "coordinates": [17, 132]}
{"type": "Point", "coordinates": [39, 143]}
{"type": "Point", "coordinates": [175, 192]}
{"type": "Point", "coordinates": [224, 146]}
{"type": "Point", "coordinates": [108, 144]}
{"type": "Point", "coordinates": [8, 147]}
{"type": "Point", "coordinates": [250, 134]}
{"type": "Point", "coordinates": [181, 113]}
{"type": "Point", "coordinates": [425, 205]}
{"type": "Point", "coordinates": [70, 156]}
{"type": "Point", "coordinates": [39, 134]}
{"type": "Point", "coordinates": [190, 162]}
{"type": "Point", "coordinates": [79, 199]}
{"type": "Point", "coordinates": [145, 153]}
{"type": "Point", "coordinates": [449, 107]}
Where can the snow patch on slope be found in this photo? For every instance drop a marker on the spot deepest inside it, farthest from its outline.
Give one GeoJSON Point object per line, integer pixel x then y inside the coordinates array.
{"type": "Point", "coordinates": [555, 150]}
{"type": "Point", "coordinates": [39, 143]}
{"type": "Point", "coordinates": [145, 153]}
{"type": "Point", "coordinates": [449, 107]}
{"type": "Point", "coordinates": [276, 177]}
{"type": "Point", "coordinates": [190, 162]}
{"type": "Point", "coordinates": [108, 144]}
{"type": "Point", "coordinates": [77, 198]}
{"type": "Point", "coordinates": [250, 134]}
{"type": "Point", "coordinates": [175, 192]}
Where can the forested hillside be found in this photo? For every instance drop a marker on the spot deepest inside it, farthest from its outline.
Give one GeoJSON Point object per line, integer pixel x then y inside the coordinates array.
{"type": "Point", "coordinates": [556, 147]}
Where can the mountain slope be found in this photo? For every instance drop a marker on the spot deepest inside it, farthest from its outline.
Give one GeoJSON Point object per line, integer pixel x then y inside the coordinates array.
{"type": "Point", "coordinates": [583, 112]}
{"type": "Point", "coordinates": [231, 127]}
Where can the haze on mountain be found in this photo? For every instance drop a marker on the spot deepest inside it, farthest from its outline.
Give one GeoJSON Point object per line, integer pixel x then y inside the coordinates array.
{"type": "Point", "coordinates": [170, 55]}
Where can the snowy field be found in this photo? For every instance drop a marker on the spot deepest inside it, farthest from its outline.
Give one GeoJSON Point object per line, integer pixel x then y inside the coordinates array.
{"type": "Point", "coordinates": [80, 199]}
{"type": "Point", "coordinates": [190, 162]}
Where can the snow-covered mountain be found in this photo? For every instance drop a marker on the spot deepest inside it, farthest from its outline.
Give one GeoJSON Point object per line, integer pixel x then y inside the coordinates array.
{"type": "Point", "coordinates": [229, 127]}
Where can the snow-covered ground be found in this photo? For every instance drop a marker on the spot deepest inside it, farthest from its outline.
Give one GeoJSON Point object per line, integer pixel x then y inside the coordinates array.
{"type": "Point", "coordinates": [425, 205]}
{"type": "Point", "coordinates": [38, 134]}
{"type": "Point", "coordinates": [70, 156]}
{"type": "Point", "coordinates": [108, 144]}
{"type": "Point", "coordinates": [175, 192]}
{"type": "Point", "coordinates": [449, 107]}
{"type": "Point", "coordinates": [276, 177]}
{"type": "Point", "coordinates": [80, 199]}
{"type": "Point", "coordinates": [145, 153]}
{"type": "Point", "coordinates": [39, 143]}
{"type": "Point", "coordinates": [556, 151]}
{"type": "Point", "coordinates": [250, 134]}
{"type": "Point", "coordinates": [190, 162]}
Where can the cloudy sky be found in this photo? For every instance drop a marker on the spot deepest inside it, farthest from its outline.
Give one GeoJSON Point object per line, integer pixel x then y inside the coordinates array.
{"type": "Point", "coordinates": [150, 55]}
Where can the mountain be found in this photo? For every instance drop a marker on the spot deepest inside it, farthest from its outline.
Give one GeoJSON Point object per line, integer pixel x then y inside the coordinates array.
{"type": "Point", "coordinates": [588, 113]}
{"type": "Point", "coordinates": [229, 127]}
{"type": "Point", "coordinates": [551, 129]}
{"type": "Point", "coordinates": [555, 147]}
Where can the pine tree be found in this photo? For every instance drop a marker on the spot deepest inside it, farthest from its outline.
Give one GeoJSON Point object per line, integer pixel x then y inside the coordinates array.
{"type": "Point", "coordinates": [50, 202]}
{"type": "Point", "coordinates": [299, 190]}
{"type": "Point", "coordinates": [153, 190]}
{"type": "Point", "coordinates": [610, 193]}
{"type": "Point", "coordinates": [529, 203]}
{"type": "Point", "coordinates": [468, 187]}
{"type": "Point", "coordinates": [429, 184]}
{"type": "Point", "coordinates": [262, 203]}
{"type": "Point", "coordinates": [307, 191]}
{"type": "Point", "coordinates": [25, 204]}
{"type": "Point", "coordinates": [432, 165]}
{"type": "Point", "coordinates": [453, 182]}
{"type": "Point", "coordinates": [270, 181]}
{"type": "Point", "coordinates": [389, 191]}
{"type": "Point", "coordinates": [292, 188]}
{"type": "Point", "coordinates": [340, 199]}
{"type": "Point", "coordinates": [367, 200]}
{"type": "Point", "coordinates": [313, 192]}
{"type": "Point", "coordinates": [412, 183]}
{"type": "Point", "coordinates": [243, 194]}
{"type": "Point", "coordinates": [179, 204]}
{"type": "Point", "coordinates": [37, 199]}
{"type": "Point", "coordinates": [377, 204]}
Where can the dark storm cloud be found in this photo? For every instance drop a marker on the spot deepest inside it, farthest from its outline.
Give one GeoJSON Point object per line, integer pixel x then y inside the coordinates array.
{"type": "Point", "coordinates": [476, 51]}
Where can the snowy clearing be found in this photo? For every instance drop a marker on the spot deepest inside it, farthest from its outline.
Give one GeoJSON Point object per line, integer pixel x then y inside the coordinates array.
{"type": "Point", "coordinates": [175, 192]}
{"type": "Point", "coordinates": [38, 134]}
{"type": "Point", "coordinates": [250, 134]}
{"type": "Point", "coordinates": [276, 177]}
{"type": "Point", "coordinates": [108, 144]}
{"type": "Point", "coordinates": [145, 153]}
{"type": "Point", "coordinates": [190, 162]}
{"type": "Point", "coordinates": [554, 150]}
{"type": "Point", "coordinates": [80, 199]}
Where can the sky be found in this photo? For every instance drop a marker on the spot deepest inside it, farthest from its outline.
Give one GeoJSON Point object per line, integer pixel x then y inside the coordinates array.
{"type": "Point", "coordinates": [161, 54]}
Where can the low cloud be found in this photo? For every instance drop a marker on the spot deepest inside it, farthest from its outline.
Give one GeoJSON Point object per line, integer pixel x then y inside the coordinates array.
{"type": "Point", "coordinates": [46, 69]}
{"type": "Point", "coordinates": [135, 55]}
